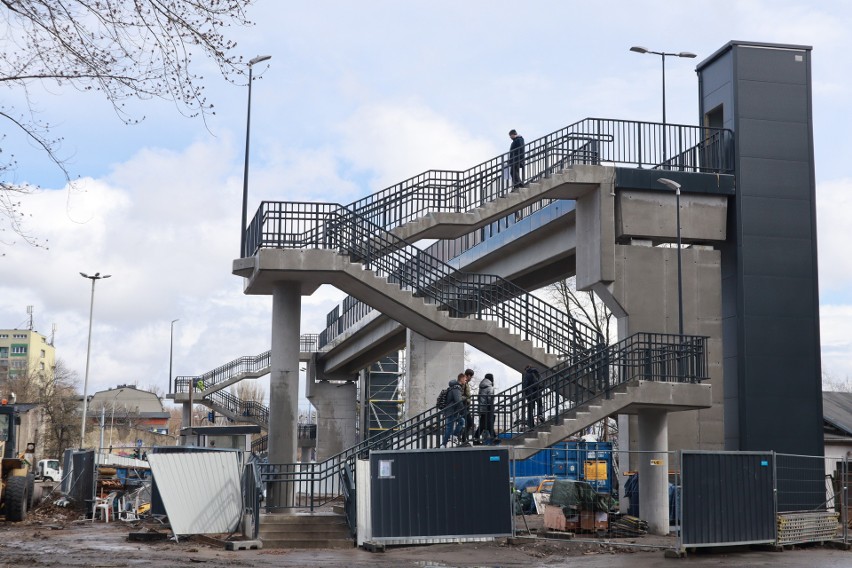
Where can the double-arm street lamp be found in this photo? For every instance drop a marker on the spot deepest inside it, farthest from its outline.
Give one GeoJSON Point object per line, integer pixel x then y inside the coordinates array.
{"type": "Point", "coordinates": [251, 64]}
{"type": "Point", "coordinates": [94, 278]}
{"type": "Point", "coordinates": [663, 55]}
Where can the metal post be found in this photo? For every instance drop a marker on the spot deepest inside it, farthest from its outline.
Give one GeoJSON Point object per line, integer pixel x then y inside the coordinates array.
{"type": "Point", "coordinates": [679, 269]}
{"type": "Point", "coordinates": [665, 142]}
{"type": "Point", "coordinates": [171, 349]}
{"type": "Point", "coordinates": [251, 63]}
{"type": "Point", "coordinates": [96, 276]}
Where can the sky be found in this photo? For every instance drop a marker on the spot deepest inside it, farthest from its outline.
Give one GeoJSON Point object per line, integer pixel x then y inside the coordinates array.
{"type": "Point", "coordinates": [357, 97]}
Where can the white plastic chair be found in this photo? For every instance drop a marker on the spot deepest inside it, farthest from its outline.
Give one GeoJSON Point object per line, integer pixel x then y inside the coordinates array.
{"type": "Point", "coordinates": [104, 504]}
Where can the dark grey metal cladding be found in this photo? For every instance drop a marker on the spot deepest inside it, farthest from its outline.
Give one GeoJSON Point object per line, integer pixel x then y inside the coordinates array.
{"type": "Point", "coordinates": [769, 263]}
{"type": "Point", "coordinates": [441, 493]}
{"type": "Point", "coordinates": [727, 498]}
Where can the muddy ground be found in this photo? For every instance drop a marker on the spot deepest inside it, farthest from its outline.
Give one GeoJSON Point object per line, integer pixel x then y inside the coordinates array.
{"type": "Point", "coordinates": [58, 537]}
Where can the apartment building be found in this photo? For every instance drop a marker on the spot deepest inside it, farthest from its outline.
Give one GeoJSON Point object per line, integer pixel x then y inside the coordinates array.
{"type": "Point", "coordinates": [24, 351]}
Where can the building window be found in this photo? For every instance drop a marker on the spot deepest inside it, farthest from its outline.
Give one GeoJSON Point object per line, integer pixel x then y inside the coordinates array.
{"type": "Point", "coordinates": [42, 353]}
{"type": "Point", "coordinates": [41, 365]}
{"type": "Point", "coordinates": [4, 352]}
{"type": "Point", "coordinates": [19, 336]}
{"type": "Point", "coordinates": [4, 336]}
{"type": "Point", "coordinates": [19, 349]}
{"type": "Point", "coordinates": [19, 363]}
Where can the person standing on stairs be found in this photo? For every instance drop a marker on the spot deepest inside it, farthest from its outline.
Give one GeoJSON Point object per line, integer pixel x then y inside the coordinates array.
{"type": "Point", "coordinates": [485, 432]}
{"type": "Point", "coordinates": [453, 410]}
{"type": "Point", "coordinates": [532, 395]}
{"type": "Point", "coordinates": [516, 159]}
{"type": "Point", "coordinates": [467, 398]}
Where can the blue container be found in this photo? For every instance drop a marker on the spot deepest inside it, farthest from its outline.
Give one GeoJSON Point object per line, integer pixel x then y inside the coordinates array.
{"type": "Point", "coordinates": [576, 461]}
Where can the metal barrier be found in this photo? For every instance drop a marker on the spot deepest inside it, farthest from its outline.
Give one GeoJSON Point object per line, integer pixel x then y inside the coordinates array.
{"type": "Point", "coordinates": [763, 497]}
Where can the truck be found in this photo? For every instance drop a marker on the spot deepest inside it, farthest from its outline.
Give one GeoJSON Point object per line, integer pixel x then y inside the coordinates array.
{"type": "Point", "coordinates": [48, 470]}
{"type": "Point", "coordinates": [16, 480]}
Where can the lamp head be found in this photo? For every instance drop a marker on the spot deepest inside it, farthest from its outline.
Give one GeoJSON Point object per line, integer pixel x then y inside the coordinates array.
{"type": "Point", "coordinates": [671, 184]}
{"type": "Point", "coordinates": [639, 49]}
{"type": "Point", "coordinates": [258, 59]}
{"type": "Point", "coordinates": [687, 54]}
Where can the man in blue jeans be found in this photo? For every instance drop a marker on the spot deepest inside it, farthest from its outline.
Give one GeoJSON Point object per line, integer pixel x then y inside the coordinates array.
{"type": "Point", "coordinates": [454, 409]}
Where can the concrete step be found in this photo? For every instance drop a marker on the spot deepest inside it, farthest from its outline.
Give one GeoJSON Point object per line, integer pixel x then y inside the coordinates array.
{"type": "Point", "coordinates": [313, 530]}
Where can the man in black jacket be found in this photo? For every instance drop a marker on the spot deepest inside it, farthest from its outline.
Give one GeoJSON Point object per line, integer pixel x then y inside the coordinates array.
{"type": "Point", "coordinates": [454, 409]}
{"type": "Point", "coordinates": [532, 395]}
{"type": "Point", "coordinates": [516, 158]}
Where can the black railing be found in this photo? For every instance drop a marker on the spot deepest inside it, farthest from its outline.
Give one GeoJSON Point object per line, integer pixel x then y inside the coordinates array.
{"type": "Point", "coordinates": [644, 356]}
{"type": "Point", "coordinates": [342, 317]}
{"type": "Point", "coordinates": [308, 343]}
{"type": "Point", "coordinates": [243, 410]}
{"type": "Point", "coordinates": [589, 141]}
{"type": "Point", "coordinates": [307, 432]}
{"type": "Point", "coordinates": [461, 294]}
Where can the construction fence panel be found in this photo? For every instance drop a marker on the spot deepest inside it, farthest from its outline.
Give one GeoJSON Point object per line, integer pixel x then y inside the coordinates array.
{"type": "Point", "coordinates": [812, 499]}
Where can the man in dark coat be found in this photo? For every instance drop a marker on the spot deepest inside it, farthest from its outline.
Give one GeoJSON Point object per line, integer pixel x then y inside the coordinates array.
{"type": "Point", "coordinates": [485, 431]}
{"type": "Point", "coordinates": [467, 399]}
{"type": "Point", "coordinates": [532, 394]}
{"type": "Point", "coordinates": [454, 409]}
{"type": "Point", "coordinates": [516, 158]}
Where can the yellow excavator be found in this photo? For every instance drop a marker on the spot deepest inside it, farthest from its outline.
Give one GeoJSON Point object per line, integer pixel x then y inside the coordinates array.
{"type": "Point", "coordinates": [16, 480]}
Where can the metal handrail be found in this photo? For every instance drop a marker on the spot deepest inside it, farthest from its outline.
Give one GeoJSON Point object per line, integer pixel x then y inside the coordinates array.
{"type": "Point", "coordinates": [589, 141]}
{"type": "Point", "coordinates": [252, 410]}
{"type": "Point", "coordinates": [593, 140]}
{"type": "Point", "coordinates": [461, 294]}
{"type": "Point", "coordinates": [308, 343]}
{"type": "Point", "coordinates": [565, 387]}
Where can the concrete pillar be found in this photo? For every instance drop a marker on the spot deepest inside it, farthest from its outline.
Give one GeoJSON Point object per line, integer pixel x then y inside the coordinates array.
{"type": "Point", "coordinates": [185, 419]}
{"type": "Point", "coordinates": [284, 378]}
{"type": "Point", "coordinates": [305, 454]}
{"type": "Point", "coordinates": [430, 366]}
{"type": "Point", "coordinates": [654, 470]}
{"type": "Point", "coordinates": [336, 409]}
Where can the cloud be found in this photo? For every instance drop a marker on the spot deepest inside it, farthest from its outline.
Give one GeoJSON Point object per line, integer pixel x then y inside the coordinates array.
{"type": "Point", "coordinates": [396, 140]}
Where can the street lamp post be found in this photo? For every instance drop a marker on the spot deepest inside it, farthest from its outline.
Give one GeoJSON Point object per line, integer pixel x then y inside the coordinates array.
{"type": "Point", "coordinates": [663, 55]}
{"type": "Point", "coordinates": [94, 278]}
{"type": "Point", "coordinates": [676, 187]}
{"type": "Point", "coordinates": [251, 64]}
{"type": "Point", "coordinates": [171, 351]}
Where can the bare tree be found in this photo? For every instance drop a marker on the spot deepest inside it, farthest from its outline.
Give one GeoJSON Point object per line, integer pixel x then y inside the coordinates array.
{"type": "Point", "coordinates": [830, 383]}
{"type": "Point", "coordinates": [60, 402]}
{"type": "Point", "coordinates": [589, 309]}
{"type": "Point", "coordinates": [123, 50]}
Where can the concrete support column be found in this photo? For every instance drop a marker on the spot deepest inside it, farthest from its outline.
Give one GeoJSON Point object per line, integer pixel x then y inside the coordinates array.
{"type": "Point", "coordinates": [305, 454]}
{"type": "Point", "coordinates": [336, 410]}
{"type": "Point", "coordinates": [430, 366]}
{"type": "Point", "coordinates": [284, 378]}
{"type": "Point", "coordinates": [185, 419]}
{"type": "Point", "coordinates": [654, 470]}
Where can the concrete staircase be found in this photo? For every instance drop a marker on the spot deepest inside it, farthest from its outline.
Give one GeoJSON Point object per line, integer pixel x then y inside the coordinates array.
{"type": "Point", "coordinates": [313, 267]}
{"type": "Point", "coordinates": [569, 183]}
{"type": "Point", "coordinates": [627, 398]}
{"type": "Point", "coordinates": [305, 530]}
